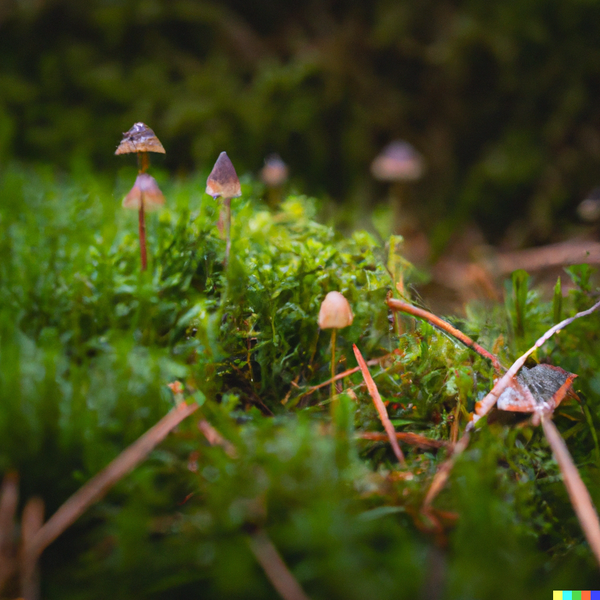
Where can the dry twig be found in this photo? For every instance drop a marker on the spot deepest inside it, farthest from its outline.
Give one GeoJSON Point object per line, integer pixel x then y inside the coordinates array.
{"type": "Point", "coordinates": [395, 304]}
{"type": "Point", "coordinates": [96, 487]}
{"type": "Point", "coordinates": [379, 405]}
{"type": "Point", "coordinates": [578, 493]}
{"type": "Point", "coordinates": [413, 439]}
{"type": "Point", "coordinates": [275, 569]}
{"type": "Point", "coordinates": [483, 407]}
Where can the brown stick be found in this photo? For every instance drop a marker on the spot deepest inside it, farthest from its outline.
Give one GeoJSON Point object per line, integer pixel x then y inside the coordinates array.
{"type": "Point", "coordinates": [379, 405]}
{"type": "Point", "coordinates": [227, 209]}
{"type": "Point", "coordinates": [142, 229]}
{"type": "Point", "coordinates": [347, 373]}
{"type": "Point", "coordinates": [97, 487]}
{"type": "Point", "coordinates": [414, 439]}
{"type": "Point", "coordinates": [395, 304]}
{"type": "Point", "coordinates": [578, 493]}
{"type": "Point", "coordinates": [440, 478]}
{"type": "Point", "coordinates": [488, 402]}
{"type": "Point", "coordinates": [31, 522]}
{"type": "Point", "coordinates": [275, 569]}
{"type": "Point", "coordinates": [9, 498]}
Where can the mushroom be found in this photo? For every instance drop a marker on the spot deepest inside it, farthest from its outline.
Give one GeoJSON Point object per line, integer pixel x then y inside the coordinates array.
{"type": "Point", "coordinates": [274, 174]}
{"type": "Point", "coordinates": [400, 164]}
{"type": "Point", "coordinates": [144, 194]}
{"type": "Point", "coordinates": [335, 313]}
{"type": "Point", "coordinates": [223, 182]}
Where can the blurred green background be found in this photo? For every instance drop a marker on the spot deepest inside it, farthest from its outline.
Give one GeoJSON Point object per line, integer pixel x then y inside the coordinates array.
{"type": "Point", "coordinates": [500, 98]}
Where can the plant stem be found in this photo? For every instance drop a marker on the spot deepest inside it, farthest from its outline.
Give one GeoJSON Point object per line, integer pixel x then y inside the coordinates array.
{"type": "Point", "coordinates": [227, 207]}
{"type": "Point", "coordinates": [143, 162]}
{"type": "Point", "coordinates": [333, 336]}
{"type": "Point", "coordinates": [142, 228]}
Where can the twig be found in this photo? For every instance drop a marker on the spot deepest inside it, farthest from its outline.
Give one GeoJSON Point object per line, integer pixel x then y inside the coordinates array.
{"type": "Point", "coordinates": [31, 522]}
{"type": "Point", "coordinates": [395, 304]}
{"type": "Point", "coordinates": [578, 493]}
{"type": "Point", "coordinates": [214, 438]}
{"type": "Point", "coordinates": [314, 388]}
{"type": "Point", "coordinates": [533, 259]}
{"type": "Point", "coordinates": [414, 439]}
{"type": "Point", "coordinates": [9, 498]}
{"type": "Point", "coordinates": [440, 478]}
{"type": "Point", "coordinates": [96, 487]}
{"type": "Point", "coordinates": [379, 405]}
{"type": "Point", "coordinates": [483, 407]}
{"type": "Point", "coordinates": [275, 569]}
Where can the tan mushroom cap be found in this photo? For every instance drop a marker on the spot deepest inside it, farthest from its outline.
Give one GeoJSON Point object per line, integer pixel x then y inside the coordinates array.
{"type": "Point", "coordinates": [223, 180]}
{"type": "Point", "coordinates": [335, 312]}
{"type": "Point", "coordinates": [144, 185]}
{"type": "Point", "coordinates": [140, 138]}
{"type": "Point", "coordinates": [275, 171]}
{"type": "Point", "coordinates": [398, 161]}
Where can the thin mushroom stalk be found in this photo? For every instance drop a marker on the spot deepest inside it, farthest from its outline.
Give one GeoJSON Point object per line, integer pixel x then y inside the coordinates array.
{"type": "Point", "coordinates": [223, 183]}
{"type": "Point", "coordinates": [145, 194]}
{"type": "Point", "coordinates": [335, 313]}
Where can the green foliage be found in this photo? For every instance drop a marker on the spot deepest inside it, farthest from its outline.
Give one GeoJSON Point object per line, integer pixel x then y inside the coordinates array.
{"type": "Point", "coordinates": [499, 98]}
{"type": "Point", "coordinates": [88, 344]}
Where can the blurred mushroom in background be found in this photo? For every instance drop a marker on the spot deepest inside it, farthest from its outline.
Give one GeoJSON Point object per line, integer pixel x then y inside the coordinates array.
{"type": "Point", "coordinates": [589, 209]}
{"type": "Point", "coordinates": [274, 175]}
{"type": "Point", "coordinates": [400, 164]}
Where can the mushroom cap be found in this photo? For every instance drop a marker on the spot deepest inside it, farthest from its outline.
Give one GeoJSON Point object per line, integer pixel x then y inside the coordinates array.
{"type": "Point", "coordinates": [144, 185]}
{"type": "Point", "coordinates": [398, 161]}
{"type": "Point", "coordinates": [275, 171]}
{"type": "Point", "coordinates": [335, 312]}
{"type": "Point", "coordinates": [140, 138]}
{"type": "Point", "coordinates": [223, 180]}
{"type": "Point", "coordinates": [589, 209]}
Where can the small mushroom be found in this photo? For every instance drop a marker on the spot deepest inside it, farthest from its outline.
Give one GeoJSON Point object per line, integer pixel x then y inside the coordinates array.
{"type": "Point", "coordinates": [274, 174]}
{"type": "Point", "coordinates": [145, 190]}
{"type": "Point", "coordinates": [145, 194]}
{"type": "Point", "coordinates": [589, 209]}
{"type": "Point", "coordinates": [223, 182]}
{"type": "Point", "coordinates": [335, 313]}
{"type": "Point", "coordinates": [400, 164]}
{"type": "Point", "coordinates": [398, 161]}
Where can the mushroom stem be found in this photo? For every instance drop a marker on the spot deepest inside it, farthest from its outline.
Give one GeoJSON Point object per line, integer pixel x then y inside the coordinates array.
{"type": "Point", "coordinates": [143, 162]}
{"type": "Point", "coordinates": [333, 336]}
{"type": "Point", "coordinates": [142, 229]}
{"type": "Point", "coordinates": [227, 211]}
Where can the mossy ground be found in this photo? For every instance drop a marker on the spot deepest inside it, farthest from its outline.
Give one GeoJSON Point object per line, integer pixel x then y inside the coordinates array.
{"type": "Point", "coordinates": [88, 345]}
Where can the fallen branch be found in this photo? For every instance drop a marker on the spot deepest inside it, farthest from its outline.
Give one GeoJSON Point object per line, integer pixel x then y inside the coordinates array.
{"type": "Point", "coordinates": [32, 520]}
{"type": "Point", "coordinates": [483, 407]}
{"type": "Point", "coordinates": [440, 478]}
{"type": "Point", "coordinates": [314, 388]}
{"type": "Point", "coordinates": [275, 569]}
{"type": "Point", "coordinates": [99, 485]}
{"type": "Point", "coordinates": [214, 438]}
{"type": "Point", "coordinates": [415, 311]}
{"type": "Point", "coordinates": [9, 498]}
{"type": "Point", "coordinates": [578, 493]}
{"type": "Point", "coordinates": [379, 405]}
{"type": "Point", "coordinates": [413, 439]}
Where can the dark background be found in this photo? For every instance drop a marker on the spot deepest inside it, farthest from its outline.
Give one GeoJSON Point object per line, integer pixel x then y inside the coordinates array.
{"type": "Point", "coordinates": [500, 97]}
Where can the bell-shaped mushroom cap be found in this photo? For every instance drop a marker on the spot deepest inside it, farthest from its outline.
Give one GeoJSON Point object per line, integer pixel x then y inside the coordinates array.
{"type": "Point", "coordinates": [335, 312]}
{"type": "Point", "coordinates": [223, 180]}
{"type": "Point", "coordinates": [275, 171]}
{"type": "Point", "coordinates": [398, 161]}
{"type": "Point", "coordinates": [140, 138]}
{"type": "Point", "coordinates": [589, 209]}
{"type": "Point", "coordinates": [144, 185]}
